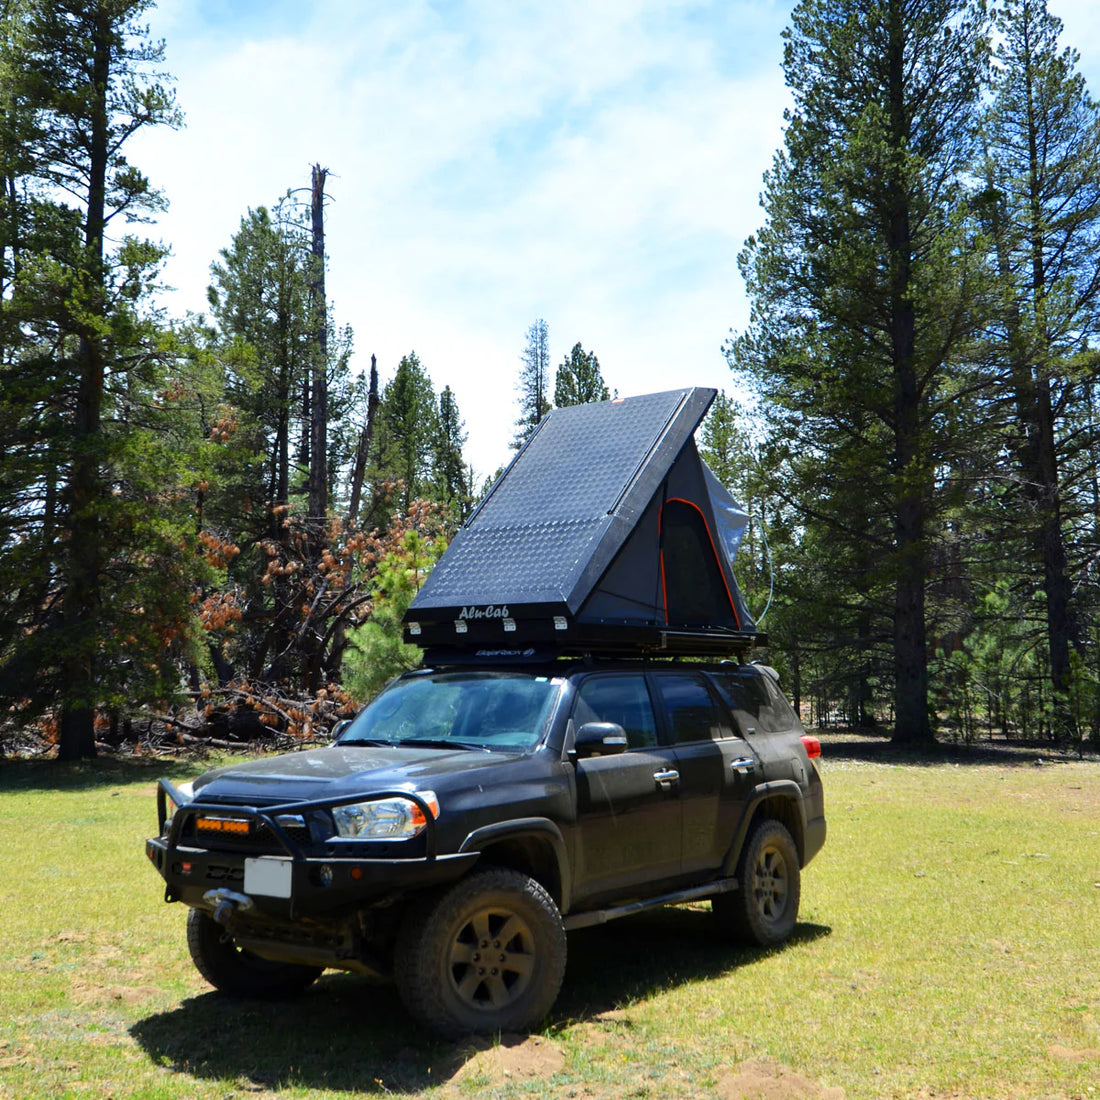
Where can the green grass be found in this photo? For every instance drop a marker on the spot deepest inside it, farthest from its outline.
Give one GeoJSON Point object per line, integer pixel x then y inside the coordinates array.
{"type": "Point", "coordinates": [949, 945]}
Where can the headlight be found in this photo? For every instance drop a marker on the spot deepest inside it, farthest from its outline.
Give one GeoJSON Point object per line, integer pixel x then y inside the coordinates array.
{"type": "Point", "coordinates": [386, 819]}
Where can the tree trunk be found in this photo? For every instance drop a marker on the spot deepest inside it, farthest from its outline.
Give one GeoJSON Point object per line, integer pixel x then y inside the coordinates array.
{"type": "Point", "coordinates": [910, 644]}
{"type": "Point", "coordinates": [1061, 627]}
{"type": "Point", "coordinates": [1038, 455]}
{"type": "Point", "coordinates": [318, 449]}
{"type": "Point", "coordinates": [363, 451]}
{"type": "Point", "coordinates": [82, 601]}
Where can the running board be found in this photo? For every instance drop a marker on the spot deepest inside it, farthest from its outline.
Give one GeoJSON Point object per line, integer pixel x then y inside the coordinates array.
{"type": "Point", "coordinates": [695, 893]}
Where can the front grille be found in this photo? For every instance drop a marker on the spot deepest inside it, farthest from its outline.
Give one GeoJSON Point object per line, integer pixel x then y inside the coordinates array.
{"type": "Point", "coordinates": [298, 833]}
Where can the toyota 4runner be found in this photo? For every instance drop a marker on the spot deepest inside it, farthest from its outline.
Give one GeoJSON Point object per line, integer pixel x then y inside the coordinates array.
{"type": "Point", "coordinates": [469, 817]}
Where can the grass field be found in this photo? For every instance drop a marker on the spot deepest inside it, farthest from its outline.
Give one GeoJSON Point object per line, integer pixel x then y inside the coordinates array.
{"type": "Point", "coordinates": [949, 946]}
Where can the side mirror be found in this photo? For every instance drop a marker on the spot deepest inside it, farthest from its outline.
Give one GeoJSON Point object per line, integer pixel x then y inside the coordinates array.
{"type": "Point", "coordinates": [340, 727]}
{"type": "Point", "coordinates": [600, 739]}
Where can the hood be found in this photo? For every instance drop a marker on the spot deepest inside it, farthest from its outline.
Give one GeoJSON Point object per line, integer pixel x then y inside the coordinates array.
{"type": "Point", "coordinates": [341, 770]}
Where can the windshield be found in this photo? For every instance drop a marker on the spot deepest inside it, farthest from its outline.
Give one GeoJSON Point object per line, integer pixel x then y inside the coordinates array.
{"type": "Point", "coordinates": [503, 711]}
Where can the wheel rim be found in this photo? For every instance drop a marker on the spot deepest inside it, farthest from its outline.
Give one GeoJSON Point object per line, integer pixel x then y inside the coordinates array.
{"type": "Point", "coordinates": [492, 958]}
{"type": "Point", "coordinates": [771, 883]}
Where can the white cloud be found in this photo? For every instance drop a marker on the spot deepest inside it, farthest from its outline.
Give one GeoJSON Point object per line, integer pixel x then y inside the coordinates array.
{"type": "Point", "coordinates": [595, 164]}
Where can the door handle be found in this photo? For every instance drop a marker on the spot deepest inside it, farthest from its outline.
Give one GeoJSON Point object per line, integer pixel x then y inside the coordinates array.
{"type": "Point", "coordinates": [744, 765]}
{"type": "Point", "coordinates": [669, 776]}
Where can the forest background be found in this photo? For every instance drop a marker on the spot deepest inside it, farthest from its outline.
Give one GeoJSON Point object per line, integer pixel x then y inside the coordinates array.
{"type": "Point", "coordinates": [210, 526]}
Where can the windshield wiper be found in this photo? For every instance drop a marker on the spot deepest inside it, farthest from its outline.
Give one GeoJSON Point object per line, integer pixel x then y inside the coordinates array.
{"type": "Point", "coordinates": [442, 743]}
{"type": "Point", "coordinates": [373, 741]}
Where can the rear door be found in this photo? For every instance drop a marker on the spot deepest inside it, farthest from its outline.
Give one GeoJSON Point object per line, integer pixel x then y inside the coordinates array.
{"type": "Point", "coordinates": [718, 769]}
{"type": "Point", "coordinates": [628, 809]}
{"type": "Point", "coordinates": [766, 720]}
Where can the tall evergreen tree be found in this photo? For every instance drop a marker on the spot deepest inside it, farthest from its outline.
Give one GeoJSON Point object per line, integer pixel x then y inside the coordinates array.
{"type": "Point", "coordinates": [266, 299]}
{"type": "Point", "coordinates": [863, 289]}
{"type": "Point", "coordinates": [578, 380]}
{"type": "Point", "coordinates": [534, 382]}
{"type": "Point", "coordinates": [1043, 217]}
{"type": "Point", "coordinates": [260, 297]}
{"type": "Point", "coordinates": [406, 434]}
{"type": "Point", "coordinates": [451, 487]}
{"type": "Point", "coordinates": [81, 79]}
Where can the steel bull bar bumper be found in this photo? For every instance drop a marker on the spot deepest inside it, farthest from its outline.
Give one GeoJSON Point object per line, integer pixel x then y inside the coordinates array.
{"type": "Point", "coordinates": [287, 884]}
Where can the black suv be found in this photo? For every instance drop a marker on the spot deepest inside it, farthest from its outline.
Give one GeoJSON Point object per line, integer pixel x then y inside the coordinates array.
{"type": "Point", "coordinates": [470, 816]}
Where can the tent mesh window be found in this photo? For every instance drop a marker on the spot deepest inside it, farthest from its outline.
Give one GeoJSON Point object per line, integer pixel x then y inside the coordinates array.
{"type": "Point", "coordinates": [694, 589]}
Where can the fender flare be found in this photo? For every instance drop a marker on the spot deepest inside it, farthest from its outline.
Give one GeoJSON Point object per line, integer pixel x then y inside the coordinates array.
{"type": "Point", "coordinates": [786, 789]}
{"type": "Point", "coordinates": [541, 829]}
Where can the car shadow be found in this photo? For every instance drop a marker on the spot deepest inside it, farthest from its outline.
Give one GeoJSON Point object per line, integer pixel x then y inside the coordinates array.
{"type": "Point", "coordinates": [348, 1034]}
{"type": "Point", "coordinates": [613, 965]}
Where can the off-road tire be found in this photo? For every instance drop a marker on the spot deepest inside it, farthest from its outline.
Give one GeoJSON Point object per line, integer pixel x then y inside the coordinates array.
{"type": "Point", "coordinates": [764, 908]}
{"type": "Point", "coordinates": [487, 956]}
{"type": "Point", "coordinates": [237, 972]}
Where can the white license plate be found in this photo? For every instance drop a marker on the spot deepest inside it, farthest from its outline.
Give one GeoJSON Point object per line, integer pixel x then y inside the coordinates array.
{"type": "Point", "coordinates": [269, 876]}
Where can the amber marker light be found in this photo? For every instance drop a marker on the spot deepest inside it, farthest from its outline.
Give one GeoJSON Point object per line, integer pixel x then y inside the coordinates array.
{"type": "Point", "coordinates": [233, 826]}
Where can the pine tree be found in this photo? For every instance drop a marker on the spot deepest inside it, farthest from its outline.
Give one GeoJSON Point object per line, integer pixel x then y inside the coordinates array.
{"type": "Point", "coordinates": [1042, 208]}
{"type": "Point", "coordinates": [80, 80]}
{"type": "Point", "coordinates": [578, 380]}
{"type": "Point", "coordinates": [319, 398]}
{"type": "Point", "coordinates": [451, 486]}
{"type": "Point", "coordinates": [534, 383]}
{"type": "Point", "coordinates": [260, 298]}
{"type": "Point", "coordinates": [266, 299]}
{"type": "Point", "coordinates": [406, 434]}
{"type": "Point", "coordinates": [864, 290]}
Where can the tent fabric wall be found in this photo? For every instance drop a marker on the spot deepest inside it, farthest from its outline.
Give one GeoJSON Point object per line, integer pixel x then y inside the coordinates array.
{"type": "Point", "coordinates": [635, 588]}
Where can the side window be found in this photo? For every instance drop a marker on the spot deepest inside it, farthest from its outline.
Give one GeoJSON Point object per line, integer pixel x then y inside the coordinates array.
{"type": "Point", "coordinates": [785, 717]}
{"type": "Point", "coordinates": [620, 699]}
{"type": "Point", "coordinates": [692, 715]}
{"type": "Point", "coordinates": [755, 701]}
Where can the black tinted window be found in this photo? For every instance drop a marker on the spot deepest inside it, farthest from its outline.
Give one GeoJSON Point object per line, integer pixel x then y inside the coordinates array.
{"type": "Point", "coordinates": [781, 709]}
{"type": "Point", "coordinates": [690, 709]}
{"type": "Point", "coordinates": [620, 699]}
{"type": "Point", "coordinates": [755, 701]}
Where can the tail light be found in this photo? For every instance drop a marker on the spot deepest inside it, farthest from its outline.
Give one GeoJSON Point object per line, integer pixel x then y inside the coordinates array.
{"type": "Point", "coordinates": [812, 745]}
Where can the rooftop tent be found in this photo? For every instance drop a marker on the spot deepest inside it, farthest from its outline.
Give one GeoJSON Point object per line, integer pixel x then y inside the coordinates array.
{"type": "Point", "coordinates": [607, 533]}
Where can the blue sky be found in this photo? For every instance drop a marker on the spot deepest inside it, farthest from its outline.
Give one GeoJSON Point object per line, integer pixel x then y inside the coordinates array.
{"type": "Point", "coordinates": [596, 163]}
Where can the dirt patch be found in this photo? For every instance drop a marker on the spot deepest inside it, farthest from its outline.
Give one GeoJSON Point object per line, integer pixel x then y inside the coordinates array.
{"type": "Point", "coordinates": [514, 1058]}
{"type": "Point", "coordinates": [21, 1054]}
{"type": "Point", "coordinates": [92, 993]}
{"type": "Point", "coordinates": [1067, 1054]}
{"type": "Point", "coordinates": [602, 1026]}
{"type": "Point", "coordinates": [761, 1079]}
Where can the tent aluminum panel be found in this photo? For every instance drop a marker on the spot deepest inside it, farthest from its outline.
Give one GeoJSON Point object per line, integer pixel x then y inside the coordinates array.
{"type": "Point", "coordinates": [607, 532]}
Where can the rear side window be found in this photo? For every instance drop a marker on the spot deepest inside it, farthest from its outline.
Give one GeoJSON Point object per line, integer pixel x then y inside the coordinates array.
{"type": "Point", "coordinates": [692, 715]}
{"type": "Point", "coordinates": [756, 703]}
{"type": "Point", "coordinates": [783, 711]}
{"type": "Point", "coordinates": [620, 699]}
